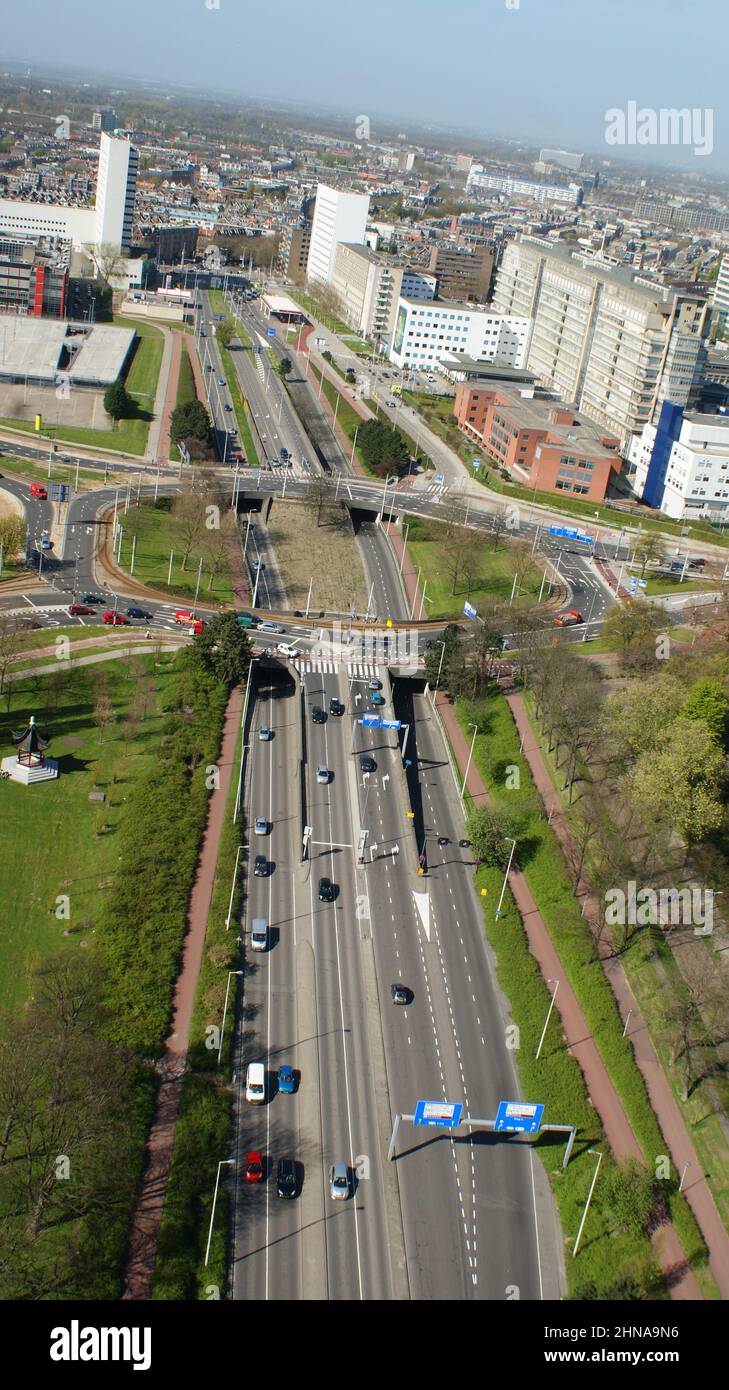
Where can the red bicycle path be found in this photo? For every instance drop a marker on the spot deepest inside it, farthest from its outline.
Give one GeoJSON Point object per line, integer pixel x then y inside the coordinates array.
{"type": "Point", "coordinates": [144, 1234]}
{"type": "Point", "coordinates": [667, 1247]}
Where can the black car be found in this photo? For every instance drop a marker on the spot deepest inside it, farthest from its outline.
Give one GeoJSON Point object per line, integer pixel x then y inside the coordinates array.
{"type": "Point", "coordinates": [465, 844]}
{"type": "Point", "coordinates": [93, 598]}
{"type": "Point", "coordinates": [443, 840]}
{"type": "Point", "coordinates": [286, 1178]}
{"type": "Point", "coordinates": [401, 994]}
{"type": "Point", "coordinates": [139, 613]}
{"type": "Point", "coordinates": [335, 706]}
{"type": "Point", "coordinates": [318, 715]}
{"type": "Point", "coordinates": [367, 763]}
{"type": "Point", "coordinates": [327, 890]}
{"type": "Point", "coordinates": [260, 867]}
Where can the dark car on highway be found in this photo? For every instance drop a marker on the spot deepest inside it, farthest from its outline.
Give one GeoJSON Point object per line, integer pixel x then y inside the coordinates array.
{"type": "Point", "coordinates": [260, 867]}
{"type": "Point", "coordinates": [287, 1183]}
{"type": "Point", "coordinates": [139, 613]}
{"type": "Point", "coordinates": [318, 715]}
{"type": "Point", "coordinates": [327, 890]}
{"type": "Point", "coordinates": [367, 763]}
{"type": "Point", "coordinates": [335, 706]}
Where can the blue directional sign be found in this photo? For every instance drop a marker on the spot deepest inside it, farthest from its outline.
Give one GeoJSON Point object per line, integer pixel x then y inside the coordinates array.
{"type": "Point", "coordinates": [642, 583]}
{"type": "Point", "coordinates": [632, 585]}
{"type": "Point", "coordinates": [390, 724]}
{"type": "Point", "coordinates": [475, 463]}
{"type": "Point", "coordinates": [442, 1113]}
{"type": "Point", "coordinates": [370, 721]}
{"type": "Point", "coordinates": [270, 332]}
{"type": "Point", "coordinates": [519, 1117]}
{"type": "Point", "coordinates": [439, 478]}
{"type": "Point", "coordinates": [470, 611]}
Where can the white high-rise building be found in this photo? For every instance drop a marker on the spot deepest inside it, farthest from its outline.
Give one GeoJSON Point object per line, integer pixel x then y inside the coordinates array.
{"type": "Point", "coordinates": [338, 217]}
{"type": "Point", "coordinates": [427, 332]}
{"type": "Point", "coordinates": [110, 221]}
{"type": "Point", "coordinates": [116, 186]}
{"type": "Point", "coordinates": [720, 307]}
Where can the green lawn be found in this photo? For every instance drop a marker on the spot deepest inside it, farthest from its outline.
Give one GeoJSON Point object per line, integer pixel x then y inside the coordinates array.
{"type": "Point", "coordinates": [157, 534]}
{"type": "Point", "coordinates": [240, 407]}
{"type": "Point", "coordinates": [668, 584]}
{"type": "Point", "coordinates": [53, 840]}
{"type": "Point", "coordinates": [219, 306]}
{"type": "Point", "coordinates": [494, 580]}
{"type": "Point", "coordinates": [186, 381]}
{"type": "Point", "coordinates": [129, 436]}
{"type": "Point", "coordinates": [60, 472]}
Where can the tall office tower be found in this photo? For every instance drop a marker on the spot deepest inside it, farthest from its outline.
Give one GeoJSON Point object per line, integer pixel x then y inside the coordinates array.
{"type": "Point", "coordinates": [338, 217]}
{"type": "Point", "coordinates": [605, 337]}
{"type": "Point", "coordinates": [720, 304]}
{"type": "Point", "coordinates": [115, 189]}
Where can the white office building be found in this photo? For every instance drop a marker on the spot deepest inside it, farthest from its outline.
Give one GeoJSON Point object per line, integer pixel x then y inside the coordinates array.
{"type": "Point", "coordinates": [110, 221]}
{"type": "Point", "coordinates": [338, 216]}
{"type": "Point", "coordinates": [720, 306]}
{"type": "Point", "coordinates": [425, 332]}
{"type": "Point", "coordinates": [697, 476]}
{"type": "Point", "coordinates": [369, 288]}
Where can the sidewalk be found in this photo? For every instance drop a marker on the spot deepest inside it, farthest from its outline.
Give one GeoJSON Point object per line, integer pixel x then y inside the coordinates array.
{"type": "Point", "coordinates": [162, 449]}
{"type": "Point", "coordinates": [667, 1247]}
{"type": "Point", "coordinates": [160, 1142]}
{"type": "Point", "coordinates": [663, 1102]}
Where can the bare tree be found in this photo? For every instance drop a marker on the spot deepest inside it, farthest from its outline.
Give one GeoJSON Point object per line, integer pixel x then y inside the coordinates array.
{"type": "Point", "coordinates": [189, 518]}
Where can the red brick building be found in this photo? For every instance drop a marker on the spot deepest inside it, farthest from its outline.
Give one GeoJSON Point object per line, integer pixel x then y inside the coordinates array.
{"type": "Point", "coordinates": [543, 444]}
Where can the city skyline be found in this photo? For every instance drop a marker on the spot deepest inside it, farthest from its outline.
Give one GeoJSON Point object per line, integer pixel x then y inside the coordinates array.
{"type": "Point", "coordinates": [445, 85]}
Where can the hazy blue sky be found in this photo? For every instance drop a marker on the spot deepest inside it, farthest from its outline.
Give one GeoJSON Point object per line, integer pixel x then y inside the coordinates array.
{"type": "Point", "coordinates": [546, 70]}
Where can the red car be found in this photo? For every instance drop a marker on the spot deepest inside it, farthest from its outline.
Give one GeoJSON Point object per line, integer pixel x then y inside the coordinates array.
{"type": "Point", "coordinates": [80, 610]}
{"type": "Point", "coordinates": [38, 490]}
{"type": "Point", "coordinates": [254, 1168]}
{"type": "Point", "coordinates": [189, 619]}
{"type": "Point", "coordinates": [114, 619]}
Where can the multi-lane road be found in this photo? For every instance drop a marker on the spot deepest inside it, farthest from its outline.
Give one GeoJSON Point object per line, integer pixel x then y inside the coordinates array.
{"type": "Point", "coordinates": [464, 1218]}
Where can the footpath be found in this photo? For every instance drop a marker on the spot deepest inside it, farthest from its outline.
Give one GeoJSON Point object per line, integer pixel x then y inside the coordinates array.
{"type": "Point", "coordinates": [663, 1102]}
{"type": "Point", "coordinates": [145, 1227]}
{"type": "Point", "coordinates": [667, 1247]}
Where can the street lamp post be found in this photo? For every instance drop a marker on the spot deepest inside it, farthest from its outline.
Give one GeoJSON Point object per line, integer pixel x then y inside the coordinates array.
{"type": "Point", "coordinates": [404, 544]}
{"type": "Point", "coordinates": [598, 1156]}
{"type": "Point", "coordinates": [549, 1013]}
{"type": "Point", "coordinates": [468, 764]}
{"type": "Point", "coordinates": [231, 973]}
{"type": "Point", "coordinates": [222, 1164]}
{"type": "Point", "coordinates": [232, 888]}
{"type": "Point", "coordinates": [506, 875]}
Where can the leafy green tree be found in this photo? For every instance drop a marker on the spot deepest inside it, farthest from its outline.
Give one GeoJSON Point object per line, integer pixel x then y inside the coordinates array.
{"type": "Point", "coordinates": [628, 1190]}
{"type": "Point", "coordinates": [681, 782]}
{"type": "Point", "coordinates": [224, 332]}
{"type": "Point", "coordinates": [635, 717]}
{"type": "Point", "coordinates": [223, 649]}
{"type": "Point", "coordinates": [648, 547]}
{"type": "Point", "coordinates": [12, 535]}
{"type": "Point", "coordinates": [443, 661]}
{"type": "Point", "coordinates": [708, 701]}
{"type": "Point", "coordinates": [490, 830]}
{"type": "Point", "coordinates": [117, 401]}
{"type": "Point", "coordinates": [350, 375]}
{"type": "Point", "coordinates": [634, 625]}
{"type": "Point", "coordinates": [190, 421]}
{"type": "Point", "coordinates": [284, 367]}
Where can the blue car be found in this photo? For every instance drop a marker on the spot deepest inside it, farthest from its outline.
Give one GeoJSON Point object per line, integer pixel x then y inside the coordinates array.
{"type": "Point", "coordinates": [377, 699]}
{"type": "Point", "coordinates": [286, 1080]}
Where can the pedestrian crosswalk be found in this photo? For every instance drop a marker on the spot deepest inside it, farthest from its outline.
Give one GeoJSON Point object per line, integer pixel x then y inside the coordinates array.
{"type": "Point", "coordinates": [365, 670]}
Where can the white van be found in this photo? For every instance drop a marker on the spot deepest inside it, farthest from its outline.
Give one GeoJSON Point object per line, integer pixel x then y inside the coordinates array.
{"type": "Point", "coordinates": [256, 1082]}
{"type": "Point", "coordinates": [259, 934]}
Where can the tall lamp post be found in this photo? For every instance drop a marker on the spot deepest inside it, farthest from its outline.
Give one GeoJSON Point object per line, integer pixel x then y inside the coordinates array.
{"type": "Point", "coordinates": [224, 1162]}
{"type": "Point", "coordinates": [468, 764]}
{"type": "Point", "coordinates": [506, 875]}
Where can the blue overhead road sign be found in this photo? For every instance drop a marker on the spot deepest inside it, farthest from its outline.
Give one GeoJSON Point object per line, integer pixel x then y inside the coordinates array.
{"type": "Point", "coordinates": [270, 332]}
{"type": "Point", "coordinates": [518, 1116]}
{"type": "Point", "coordinates": [390, 724]}
{"type": "Point", "coordinates": [571, 534]}
{"type": "Point", "coordinates": [370, 721]}
{"type": "Point", "coordinates": [442, 1113]}
{"type": "Point", "coordinates": [470, 611]}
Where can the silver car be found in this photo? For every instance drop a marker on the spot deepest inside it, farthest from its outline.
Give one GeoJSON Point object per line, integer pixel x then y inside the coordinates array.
{"type": "Point", "coordinates": [339, 1182]}
{"type": "Point", "coordinates": [261, 826]}
{"type": "Point", "coordinates": [322, 773]}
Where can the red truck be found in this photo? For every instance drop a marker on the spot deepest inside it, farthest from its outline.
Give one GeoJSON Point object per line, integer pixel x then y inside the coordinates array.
{"type": "Point", "coordinates": [569, 619]}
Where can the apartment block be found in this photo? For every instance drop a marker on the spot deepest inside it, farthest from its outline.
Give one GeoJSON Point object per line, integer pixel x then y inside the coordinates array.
{"type": "Point", "coordinates": [604, 336]}
{"type": "Point", "coordinates": [720, 305]}
{"type": "Point", "coordinates": [480, 180]}
{"type": "Point", "coordinates": [369, 288]}
{"type": "Point", "coordinates": [33, 282]}
{"type": "Point", "coordinates": [681, 464]}
{"type": "Point", "coordinates": [462, 272]}
{"type": "Point", "coordinates": [338, 216]}
{"type": "Point", "coordinates": [544, 444]}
